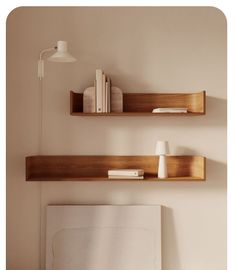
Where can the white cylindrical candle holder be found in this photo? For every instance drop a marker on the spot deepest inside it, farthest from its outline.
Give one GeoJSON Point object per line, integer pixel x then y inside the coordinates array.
{"type": "Point", "coordinates": [162, 167]}
{"type": "Point", "coordinates": [162, 148]}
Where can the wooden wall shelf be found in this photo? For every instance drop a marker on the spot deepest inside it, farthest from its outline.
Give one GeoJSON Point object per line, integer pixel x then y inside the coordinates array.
{"type": "Point", "coordinates": [94, 168]}
{"type": "Point", "coordinates": [142, 104]}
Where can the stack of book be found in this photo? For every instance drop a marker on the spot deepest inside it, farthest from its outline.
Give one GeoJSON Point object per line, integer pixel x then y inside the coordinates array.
{"type": "Point", "coordinates": [102, 92]}
{"type": "Point", "coordinates": [170, 110]}
{"type": "Point", "coordinates": [126, 174]}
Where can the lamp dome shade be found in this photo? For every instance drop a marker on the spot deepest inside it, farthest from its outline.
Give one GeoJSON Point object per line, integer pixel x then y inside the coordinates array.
{"type": "Point", "coordinates": [162, 148]}
{"type": "Point", "coordinates": [62, 54]}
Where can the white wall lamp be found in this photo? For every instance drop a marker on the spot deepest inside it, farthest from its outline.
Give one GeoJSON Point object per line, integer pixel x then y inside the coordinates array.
{"type": "Point", "coordinates": [162, 149]}
{"type": "Point", "coordinates": [61, 55]}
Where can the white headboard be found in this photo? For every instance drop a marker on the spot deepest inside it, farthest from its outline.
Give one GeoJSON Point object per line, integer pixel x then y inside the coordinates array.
{"type": "Point", "coordinates": [103, 237]}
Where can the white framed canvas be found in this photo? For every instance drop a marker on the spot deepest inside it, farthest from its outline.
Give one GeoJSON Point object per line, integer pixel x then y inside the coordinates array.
{"type": "Point", "coordinates": [103, 237]}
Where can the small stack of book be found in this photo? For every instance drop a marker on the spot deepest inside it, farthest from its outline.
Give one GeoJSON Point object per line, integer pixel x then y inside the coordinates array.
{"type": "Point", "coordinates": [103, 92]}
{"type": "Point", "coordinates": [170, 110]}
{"type": "Point", "coordinates": [126, 174]}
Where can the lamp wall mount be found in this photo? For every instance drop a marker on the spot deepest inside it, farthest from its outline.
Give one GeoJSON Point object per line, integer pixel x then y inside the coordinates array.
{"type": "Point", "coordinates": [41, 62]}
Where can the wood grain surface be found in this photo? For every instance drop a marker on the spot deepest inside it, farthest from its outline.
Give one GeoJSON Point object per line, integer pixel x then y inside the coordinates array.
{"type": "Point", "coordinates": [138, 104]}
{"type": "Point", "coordinates": [79, 168]}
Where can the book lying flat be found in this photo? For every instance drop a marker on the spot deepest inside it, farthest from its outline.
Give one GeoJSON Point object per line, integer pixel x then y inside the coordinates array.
{"type": "Point", "coordinates": [126, 172]}
{"type": "Point", "coordinates": [124, 177]}
{"type": "Point", "coordinates": [170, 110]}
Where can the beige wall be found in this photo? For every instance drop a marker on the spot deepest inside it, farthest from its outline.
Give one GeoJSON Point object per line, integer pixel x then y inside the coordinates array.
{"type": "Point", "coordinates": [142, 49]}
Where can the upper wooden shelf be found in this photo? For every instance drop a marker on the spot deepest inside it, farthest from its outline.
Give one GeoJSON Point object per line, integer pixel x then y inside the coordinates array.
{"type": "Point", "coordinates": [95, 168]}
{"type": "Point", "coordinates": [142, 104]}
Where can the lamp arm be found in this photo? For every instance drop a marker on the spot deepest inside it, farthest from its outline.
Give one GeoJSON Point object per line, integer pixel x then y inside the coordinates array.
{"type": "Point", "coordinates": [41, 62]}
{"type": "Point", "coordinates": [46, 50]}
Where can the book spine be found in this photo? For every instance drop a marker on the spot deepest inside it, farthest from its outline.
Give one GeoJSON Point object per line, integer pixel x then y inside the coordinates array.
{"type": "Point", "coordinates": [103, 93]}
{"type": "Point", "coordinates": [95, 98]}
{"type": "Point", "coordinates": [108, 87]}
{"type": "Point", "coordinates": [125, 177]}
{"type": "Point", "coordinates": [120, 173]}
{"type": "Point", "coordinates": [172, 111]}
{"type": "Point", "coordinates": [110, 98]}
{"type": "Point", "coordinates": [106, 97]}
{"type": "Point", "coordinates": [99, 90]}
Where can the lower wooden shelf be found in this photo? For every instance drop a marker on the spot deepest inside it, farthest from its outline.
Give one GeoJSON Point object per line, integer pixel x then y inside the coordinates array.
{"type": "Point", "coordinates": [94, 168]}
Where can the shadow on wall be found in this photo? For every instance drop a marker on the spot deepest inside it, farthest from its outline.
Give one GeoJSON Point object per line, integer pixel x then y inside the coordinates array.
{"type": "Point", "coordinates": [130, 129]}
{"type": "Point", "coordinates": [216, 178]}
{"type": "Point", "coordinates": [169, 233]}
{"type": "Point", "coordinates": [216, 174]}
{"type": "Point", "coordinates": [216, 115]}
{"type": "Point", "coordinates": [182, 151]}
{"type": "Point", "coordinates": [216, 111]}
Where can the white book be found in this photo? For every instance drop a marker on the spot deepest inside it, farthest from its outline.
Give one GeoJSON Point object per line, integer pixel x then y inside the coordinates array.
{"type": "Point", "coordinates": [126, 172]}
{"type": "Point", "coordinates": [107, 97]}
{"type": "Point", "coordinates": [95, 87]}
{"type": "Point", "coordinates": [103, 92]}
{"type": "Point", "coordinates": [125, 177]}
{"type": "Point", "coordinates": [99, 90]}
{"type": "Point", "coordinates": [108, 92]}
{"type": "Point", "coordinates": [170, 110]}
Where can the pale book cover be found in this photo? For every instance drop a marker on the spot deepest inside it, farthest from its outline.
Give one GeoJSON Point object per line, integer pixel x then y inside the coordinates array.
{"type": "Point", "coordinates": [126, 172]}
{"type": "Point", "coordinates": [170, 110]}
{"type": "Point", "coordinates": [99, 90]}
{"type": "Point", "coordinates": [108, 87]}
{"type": "Point", "coordinates": [104, 93]}
{"type": "Point", "coordinates": [125, 177]}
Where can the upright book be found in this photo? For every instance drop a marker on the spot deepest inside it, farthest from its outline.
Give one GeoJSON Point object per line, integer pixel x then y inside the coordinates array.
{"type": "Point", "coordinates": [99, 91]}
{"type": "Point", "coordinates": [104, 93]}
{"type": "Point", "coordinates": [108, 94]}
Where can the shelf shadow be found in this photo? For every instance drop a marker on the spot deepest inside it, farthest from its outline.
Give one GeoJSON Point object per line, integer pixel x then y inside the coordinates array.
{"type": "Point", "coordinates": [216, 111]}
{"type": "Point", "coordinates": [216, 115]}
{"type": "Point", "coordinates": [216, 174]}
{"type": "Point", "coordinates": [170, 250]}
{"type": "Point", "coordinates": [182, 151]}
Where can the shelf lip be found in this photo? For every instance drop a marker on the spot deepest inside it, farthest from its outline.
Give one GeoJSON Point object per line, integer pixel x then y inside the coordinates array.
{"type": "Point", "coordinates": [153, 93]}
{"type": "Point", "coordinates": [136, 114]}
{"type": "Point", "coordinates": [200, 156]}
{"type": "Point", "coordinates": [105, 179]}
